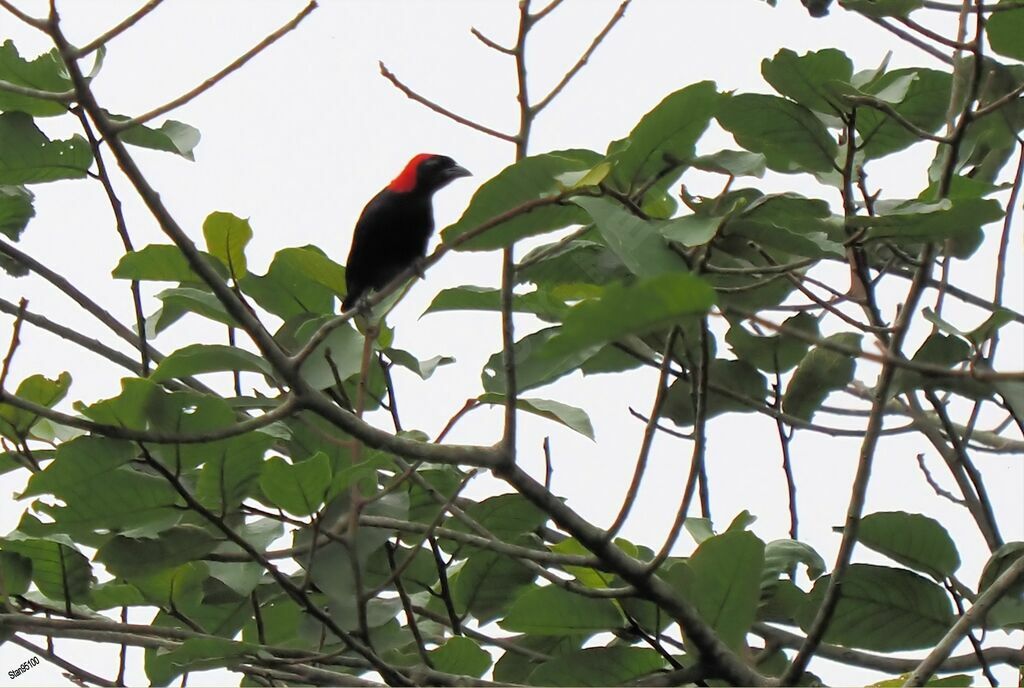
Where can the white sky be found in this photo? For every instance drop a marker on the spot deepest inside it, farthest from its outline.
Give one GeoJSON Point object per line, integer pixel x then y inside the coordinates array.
{"type": "Point", "coordinates": [299, 139]}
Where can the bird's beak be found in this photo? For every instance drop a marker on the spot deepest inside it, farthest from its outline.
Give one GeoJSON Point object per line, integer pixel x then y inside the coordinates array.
{"type": "Point", "coordinates": [458, 171]}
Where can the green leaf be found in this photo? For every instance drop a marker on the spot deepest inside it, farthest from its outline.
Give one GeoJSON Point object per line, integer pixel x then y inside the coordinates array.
{"type": "Point", "coordinates": [195, 359]}
{"type": "Point", "coordinates": [924, 105]}
{"type": "Point", "coordinates": [424, 368]}
{"type": "Point", "coordinates": [230, 475]}
{"type": "Point", "coordinates": [806, 78]}
{"type": "Point", "coordinates": [28, 157]}
{"type": "Point", "coordinates": [298, 488]}
{"type": "Point", "coordinates": [821, 372]}
{"type": "Point", "coordinates": [883, 609]}
{"type": "Point", "coordinates": [488, 583]}
{"type": "Point", "coordinates": [15, 210]}
{"type": "Point", "coordinates": [461, 656]}
{"type": "Point", "coordinates": [726, 583]}
{"type": "Point", "coordinates": [781, 556]}
{"type": "Point", "coordinates": [937, 349]}
{"type": "Point", "coordinates": [128, 557]}
{"type": "Point", "coordinates": [737, 377]}
{"type": "Point", "coordinates": [156, 262]}
{"type": "Point", "coordinates": [791, 137]}
{"type": "Point", "coordinates": [529, 179]}
{"type": "Point", "coordinates": [172, 137]}
{"type": "Point", "coordinates": [1004, 30]}
{"type": "Point", "coordinates": [569, 416]}
{"type": "Point", "coordinates": [1008, 613]}
{"type": "Point", "coordinates": [634, 240]}
{"type": "Point", "coordinates": [646, 305]}
{"type": "Point", "coordinates": [533, 367]}
{"type": "Point", "coordinates": [473, 298]}
{"type": "Point", "coordinates": [45, 73]}
{"type": "Point", "coordinates": [916, 221]}
{"type": "Point", "coordinates": [691, 230]}
{"type": "Point", "coordinates": [16, 423]}
{"type": "Point", "coordinates": [299, 281]}
{"type": "Point", "coordinates": [181, 300]}
{"type": "Point", "coordinates": [338, 357]}
{"type": "Point", "coordinates": [514, 667]}
{"type": "Point", "coordinates": [773, 353]}
{"type": "Point", "coordinates": [617, 665]}
{"type": "Point", "coordinates": [732, 163]}
{"type": "Point", "coordinates": [664, 136]}
{"type": "Point", "coordinates": [576, 262]}
{"type": "Point", "coordinates": [913, 540]}
{"type": "Point", "coordinates": [226, 238]}
{"type": "Point", "coordinates": [15, 574]}
{"type": "Point", "coordinates": [59, 570]}
{"type": "Point", "coordinates": [113, 594]}
{"type": "Point", "coordinates": [552, 610]}
{"type": "Point", "coordinates": [506, 516]}
{"type": "Point", "coordinates": [954, 681]}
{"type": "Point", "coordinates": [882, 8]}
{"type": "Point", "coordinates": [195, 654]}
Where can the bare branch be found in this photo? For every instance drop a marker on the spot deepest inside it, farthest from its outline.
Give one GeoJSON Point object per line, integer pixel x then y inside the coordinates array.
{"type": "Point", "coordinates": [31, 21]}
{"type": "Point", "coordinates": [490, 43]}
{"type": "Point", "coordinates": [19, 317]}
{"type": "Point", "coordinates": [115, 127]}
{"type": "Point", "coordinates": [127, 23]}
{"type": "Point", "coordinates": [413, 95]}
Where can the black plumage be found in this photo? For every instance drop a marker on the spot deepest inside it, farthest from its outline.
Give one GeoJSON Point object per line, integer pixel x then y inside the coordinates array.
{"type": "Point", "coordinates": [395, 226]}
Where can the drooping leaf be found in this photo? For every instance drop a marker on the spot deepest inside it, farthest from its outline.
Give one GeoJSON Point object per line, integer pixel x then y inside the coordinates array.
{"type": "Point", "coordinates": [552, 610]}
{"type": "Point", "coordinates": [781, 556]}
{"type": "Point", "coordinates": [171, 137]}
{"type": "Point", "coordinates": [569, 416]}
{"type": "Point", "coordinates": [883, 609]}
{"type": "Point", "coordinates": [15, 423]}
{"type": "Point", "coordinates": [27, 156]}
{"type": "Point", "coordinates": [730, 385]}
{"type": "Point", "coordinates": [665, 135]}
{"type": "Point", "coordinates": [529, 179]}
{"type": "Point", "coordinates": [179, 301]}
{"type": "Point", "coordinates": [913, 540]}
{"type": "Point", "coordinates": [773, 353]}
{"type": "Point", "coordinates": [790, 137]}
{"type": "Point", "coordinates": [821, 372]}
{"type": "Point", "coordinates": [15, 211]}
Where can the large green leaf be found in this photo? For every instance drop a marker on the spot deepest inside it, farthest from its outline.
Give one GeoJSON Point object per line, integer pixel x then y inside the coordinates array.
{"type": "Point", "coordinates": [617, 665]}
{"type": "Point", "coordinates": [195, 654]}
{"type": "Point", "coordinates": [919, 222]}
{"type": "Point", "coordinates": [226, 238]}
{"type": "Point", "coordinates": [1004, 30]}
{"type": "Point", "coordinates": [528, 179]}
{"type": "Point", "coordinates": [15, 573]}
{"type": "Point", "coordinates": [784, 555]}
{"type": "Point", "coordinates": [156, 262]}
{"type": "Point", "coordinates": [298, 488]}
{"type": "Point", "coordinates": [541, 302]}
{"type": "Point", "coordinates": [821, 372]}
{"type": "Point", "coordinates": [665, 135]}
{"type": "Point", "coordinates": [28, 157]}
{"type": "Point", "coordinates": [726, 583]}
{"type": "Point", "coordinates": [883, 609]}
{"type": "Point", "coordinates": [461, 656]}
{"type": "Point", "coordinates": [791, 137]}
{"type": "Point", "coordinates": [338, 357]}
{"type": "Point", "coordinates": [45, 73]}
{"type": "Point", "coordinates": [128, 557]}
{"type": "Point", "coordinates": [15, 210]}
{"type": "Point", "coordinates": [551, 610]}
{"type": "Point", "coordinates": [635, 240]}
{"type": "Point", "coordinates": [507, 516]}
{"type": "Point", "coordinates": [735, 376]}
{"type": "Point", "coordinates": [15, 423]}
{"type": "Point", "coordinates": [638, 308]}
{"type": "Point", "coordinates": [913, 540]}
{"type": "Point", "coordinates": [488, 583]}
{"type": "Point", "coordinates": [179, 301]}
{"type": "Point", "coordinates": [299, 281]}
{"type": "Point", "coordinates": [773, 353]}
{"type": "Point", "coordinates": [924, 105]}
{"type": "Point", "coordinates": [209, 358]}
{"type": "Point", "coordinates": [533, 366]}
{"type": "Point", "coordinates": [231, 473]}
{"type": "Point", "coordinates": [806, 78]}
{"type": "Point", "coordinates": [59, 570]}
{"type": "Point", "coordinates": [569, 416]}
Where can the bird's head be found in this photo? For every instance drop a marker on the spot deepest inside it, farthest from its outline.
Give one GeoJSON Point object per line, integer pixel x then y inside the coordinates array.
{"type": "Point", "coordinates": [426, 173]}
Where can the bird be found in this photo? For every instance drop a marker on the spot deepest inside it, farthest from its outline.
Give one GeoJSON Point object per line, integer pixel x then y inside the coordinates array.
{"type": "Point", "coordinates": [394, 228]}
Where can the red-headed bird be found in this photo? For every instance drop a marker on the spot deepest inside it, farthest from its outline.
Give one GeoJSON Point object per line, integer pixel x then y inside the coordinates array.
{"type": "Point", "coordinates": [395, 226]}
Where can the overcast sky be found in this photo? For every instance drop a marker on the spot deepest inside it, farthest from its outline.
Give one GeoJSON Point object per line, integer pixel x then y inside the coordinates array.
{"type": "Point", "coordinates": [299, 139]}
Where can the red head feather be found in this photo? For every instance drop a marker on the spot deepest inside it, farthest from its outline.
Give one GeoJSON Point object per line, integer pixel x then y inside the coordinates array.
{"type": "Point", "coordinates": [406, 181]}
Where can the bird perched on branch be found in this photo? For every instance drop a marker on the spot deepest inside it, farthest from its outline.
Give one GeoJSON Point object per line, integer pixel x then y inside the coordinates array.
{"type": "Point", "coordinates": [395, 226]}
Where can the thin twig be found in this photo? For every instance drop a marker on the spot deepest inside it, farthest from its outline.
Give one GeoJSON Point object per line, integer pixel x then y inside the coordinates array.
{"type": "Point", "coordinates": [19, 318]}
{"type": "Point", "coordinates": [272, 38]}
{"type": "Point", "coordinates": [122, 26]}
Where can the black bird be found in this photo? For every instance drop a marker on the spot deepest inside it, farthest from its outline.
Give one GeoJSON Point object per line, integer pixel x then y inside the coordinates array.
{"type": "Point", "coordinates": [395, 226]}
